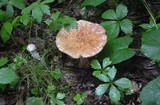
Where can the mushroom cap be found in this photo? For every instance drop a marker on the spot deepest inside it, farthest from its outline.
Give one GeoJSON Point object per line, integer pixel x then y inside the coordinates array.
{"type": "Point", "coordinates": [85, 41]}
{"type": "Point", "coordinates": [31, 48]}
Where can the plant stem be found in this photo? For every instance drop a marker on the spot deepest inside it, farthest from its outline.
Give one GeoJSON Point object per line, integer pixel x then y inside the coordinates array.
{"type": "Point", "coordinates": [150, 12]}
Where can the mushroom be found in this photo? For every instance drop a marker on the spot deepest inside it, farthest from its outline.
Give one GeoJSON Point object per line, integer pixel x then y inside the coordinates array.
{"type": "Point", "coordinates": [85, 41]}
{"type": "Point", "coordinates": [31, 48]}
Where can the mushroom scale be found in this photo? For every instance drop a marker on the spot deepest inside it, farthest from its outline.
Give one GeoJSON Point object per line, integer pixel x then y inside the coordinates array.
{"type": "Point", "coordinates": [85, 41]}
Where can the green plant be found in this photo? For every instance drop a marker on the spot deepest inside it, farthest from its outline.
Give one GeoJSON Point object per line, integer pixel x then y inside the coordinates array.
{"type": "Point", "coordinates": [150, 25]}
{"type": "Point", "coordinates": [8, 74]}
{"type": "Point", "coordinates": [79, 99]}
{"type": "Point", "coordinates": [117, 48]}
{"type": "Point", "coordinates": [9, 5]}
{"type": "Point", "coordinates": [107, 75]}
{"type": "Point", "coordinates": [55, 98]}
{"type": "Point", "coordinates": [58, 20]}
{"type": "Point", "coordinates": [37, 9]}
{"type": "Point", "coordinates": [150, 44]}
{"type": "Point", "coordinates": [34, 101]}
{"type": "Point", "coordinates": [150, 93]}
{"type": "Point", "coordinates": [115, 22]}
{"type": "Point", "coordinates": [6, 31]}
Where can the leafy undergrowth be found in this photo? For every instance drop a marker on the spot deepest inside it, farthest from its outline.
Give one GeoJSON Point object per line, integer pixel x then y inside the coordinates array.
{"type": "Point", "coordinates": [125, 72]}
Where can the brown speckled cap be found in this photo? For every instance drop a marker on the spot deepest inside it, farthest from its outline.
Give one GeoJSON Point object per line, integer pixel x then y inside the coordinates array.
{"type": "Point", "coordinates": [85, 41]}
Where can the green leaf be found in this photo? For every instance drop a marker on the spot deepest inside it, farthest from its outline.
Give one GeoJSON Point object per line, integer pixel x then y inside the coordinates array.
{"type": "Point", "coordinates": [59, 102]}
{"type": "Point", "coordinates": [25, 19]}
{"type": "Point", "coordinates": [123, 83]}
{"type": "Point", "coordinates": [47, 1]}
{"type": "Point", "coordinates": [117, 50]}
{"type": "Point", "coordinates": [101, 89]}
{"type": "Point", "coordinates": [126, 26]}
{"type": "Point", "coordinates": [37, 14]}
{"type": "Point", "coordinates": [56, 74]}
{"type": "Point", "coordinates": [109, 14]}
{"type": "Point", "coordinates": [10, 10]}
{"type": "Point", "coordinates": [95, 64]}
{"type": "Point", "coordinates": [7, 76]}
{"type": "Point", "coordinates": [45, 9]}
{"type": "Point", "coordinates": [84, 95]}
{"type": "Point", "coordinates": [150, 94]}
{"type": "Point", "coordinates": [114, 94]}
{"type": "Point", "coordinates": [121, 55]}
{"type": "Point", "coordinates": [150, 44]}
{"type": "Point", "coordinates": [121, 11]}
{"type": "Point", "coordinates": [112, 28]}
{"type": "Point", "coordinates": [80, 99]}
{"type": "Point", "coordinates": [60, 96]}
{"type": "Point", "coordinates": [106, 62]}
{"type": "Point", "coordinates": [92, 2]}
{"type": "Point", "coordinates": [3, 61]}
{"type": "Point", "coordinates": [112, 73]}
{"type": "Point", "coordinates": [16, 20]}
{"type": "Point", "coordinates": [145, 26]}
{"type": "Point", "coordinates": [28, 9]}
{"type": "Point", "coordinates": [34, 101]}
{"type": "Point", "coordinates": [100, 76]}
{"type": "Point", "coordinates": [3, 16]}
{"type": "Point", "coordinates": [6, 31]}
{"type": "Point", "coordinates": [18, 3]}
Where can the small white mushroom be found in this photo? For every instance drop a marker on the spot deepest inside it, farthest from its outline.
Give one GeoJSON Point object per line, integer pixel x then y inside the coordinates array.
{"type": "Point", "coordinates": [31, 48]}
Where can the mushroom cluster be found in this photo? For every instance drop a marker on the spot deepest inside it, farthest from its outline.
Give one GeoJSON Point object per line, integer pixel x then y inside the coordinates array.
{"type": "Point", "coordinates": [85, 41]}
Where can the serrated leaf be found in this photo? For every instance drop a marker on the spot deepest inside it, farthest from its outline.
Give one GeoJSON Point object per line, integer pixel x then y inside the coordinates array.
{"type": "Point", "coordinates": [92, 2]}
{"type": "Point", "coordinates": [3, 61]}
{"type": "Point", "coordinates": [106, 62]}
{"type": "Point", "coordinates": [6, 31]}
{"type": "Point", "coordinates": [126, 26]}
{"type": "Point", "coordinates": [18, 3]}
{"type": "Point", "coordinates": [150, 44]}
{"type": "Point", "coordinates": [45, 9]}
{"type": "Point", "coordinates": [34, 101]}
{"type": "Point", "coordinates": [109, 14]}
{"type": "Point", "coordinates": [60, 96]}
{"type": "Point", "coordinates": [112, 73]}
{"type": "Point", "coordinates": [145, 26]}
{"type": "Point", "coordinates": [37, 14]}
{"type": "Point", "coordinates": [150, 94]}
{"type": "Point", "coordinates": [123, 83]}
{"type": "Point", "coordinates": [28, 9]}
{"type": "Point", "coordinates": [101, 89]}
{"type": "Point", "coordinates": [25, 19]}
{"type": "Point", "coordinates": [7, 76]}
{"type": "Point", "coordinates": [100, 76]}
{"type": "Point", "coordinates": [112, 28]}
{"type": "Point", "coordinates": [95, 64]}
{"type": "Point", "coordinates": [121, 11]}
{"type": "Point", "coordinates": [114, 94]}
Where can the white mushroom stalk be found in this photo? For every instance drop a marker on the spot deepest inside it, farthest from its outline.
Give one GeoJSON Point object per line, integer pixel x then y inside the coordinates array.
{"type": "Point", "coordinates": [31, 48]}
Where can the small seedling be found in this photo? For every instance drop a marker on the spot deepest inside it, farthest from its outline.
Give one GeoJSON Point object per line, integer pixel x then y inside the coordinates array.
{"type": "Point", "coordinates": [107, 74]}
{"type": "Point", "coordinates": [79, 99]}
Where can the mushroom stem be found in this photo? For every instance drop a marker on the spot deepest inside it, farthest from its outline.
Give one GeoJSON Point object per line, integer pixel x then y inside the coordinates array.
{"type": "Point", "coordinates": [35, 55]}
